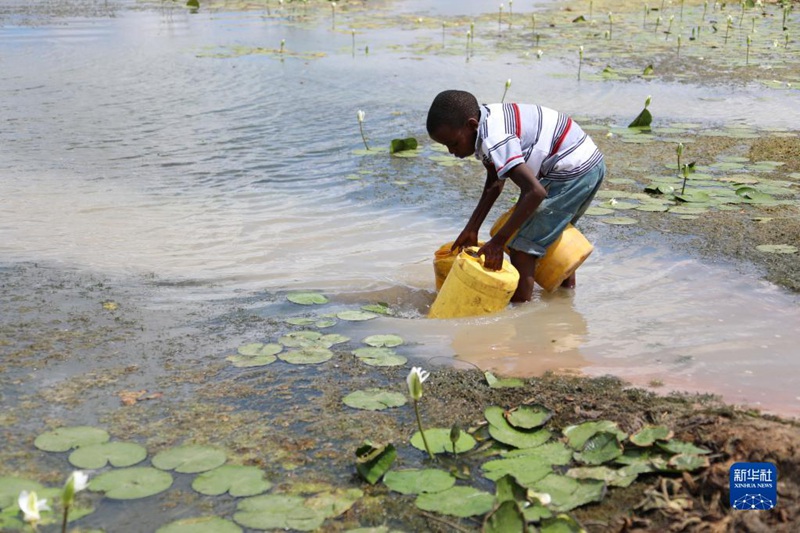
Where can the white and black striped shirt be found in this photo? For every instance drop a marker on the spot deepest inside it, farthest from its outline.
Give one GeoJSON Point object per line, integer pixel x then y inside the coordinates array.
{"type": "Point", "coordinates": [549, 142]}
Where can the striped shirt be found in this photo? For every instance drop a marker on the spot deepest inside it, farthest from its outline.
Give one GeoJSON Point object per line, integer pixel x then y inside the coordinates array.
{"type": "Point", "coordinates": [549, 142]}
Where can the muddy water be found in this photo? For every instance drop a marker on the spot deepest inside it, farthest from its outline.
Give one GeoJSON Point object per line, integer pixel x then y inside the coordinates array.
{"type": "Point", "coordinates": [128, 149]}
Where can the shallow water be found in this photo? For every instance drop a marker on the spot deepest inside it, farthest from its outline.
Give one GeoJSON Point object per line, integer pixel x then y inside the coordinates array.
{"type": "Point", "coordinates": [126, 150]}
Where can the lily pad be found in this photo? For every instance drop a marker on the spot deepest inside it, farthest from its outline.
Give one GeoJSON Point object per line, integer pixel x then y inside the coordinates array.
{"type": "Point", "coordinates": [277, 511]}
{"type": "Point", "coordinates": [301, 339]}
{"type": "Point", "coordinates": [190, 459]}
{"type": "Point", "coordinates": [379, 356]}
{"type": "Point", "coordinates": [237, 480]}
{"type": "Point", "coordinates": [388, 341]}
{"type": "Point", "coordinates": [562, 523]}
{"type": "Point", "coordinates": [355, 316]}
{"type": "Point", "coordinates": [374, 399]}
{"type": "Point", "coordinates": [439, 441]}
{"type": "Point", "coordinates": [119, 454]}
{"type": "Point", "coordinates": [598, 211]}
{"type": "Point", "coordinates": [502, 383]}
{"type": "Point", "coordinates": [600, 448]}
{"type": "Point", "coordinates": [66, 438]}
{"type": "Point", "coordinates": [379, 308]}
{"type": "Point", "coordinates": [502, 431]}
{"type": "Point", "coordinates": [373, 460]}
{"type": "Point", "coordinates": [679, 446]}
{"type": "Point", "coordinates": [307, 298]}
{"type": "Point", "coordinates": [579, 434]}
{"type": "Point", "coordinates": [307, 356]}
{"type": "Point", "coordinates": [567, 493]}
{"type": "Point", "coordinates": [131, 483]}
{"type": "Point", "coordinates": [688, 462]}
{"type": "Point", "coordinates": [620, 221]}
{"type": "Point", "coordinates": [526, 469]}
{"type": "Point", "coordinates": [257, 349]}
{"type": "Point", "coordinates": [529, 416]}
{"type": "Point", "coordinates": [777, 248]}
{"type": "Point", "coordinates": [334, 502]}
{"type": "Point", "coordinates": [648, 435]}
{"type": "Point", "coordinates": [255, 354]}
{"type": "Point", "coordinates": [400, 145]}
{"type": "Point", "coordinates": [418, 481]}
{"type": "Point", "coordinates": [200, 524]}
{"type": "Point", "coordinates": [10, 487]}
{"type": "Point", "coordinates": [457, 501]}
{"type": "Point", "coordinates": [507, 517]}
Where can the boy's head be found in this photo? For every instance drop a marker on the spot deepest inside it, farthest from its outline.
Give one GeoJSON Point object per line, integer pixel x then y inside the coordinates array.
{"type": "Point", "coordinates": [453, 121]}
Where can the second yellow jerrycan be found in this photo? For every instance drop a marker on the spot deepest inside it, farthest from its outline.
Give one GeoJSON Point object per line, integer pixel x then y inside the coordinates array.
{"type": "Point", "coordinates": [470, 289]}
{"type": "Point", "coordinates": [561, 259]}
{"type": "Point", "coordinates": [443, 260]}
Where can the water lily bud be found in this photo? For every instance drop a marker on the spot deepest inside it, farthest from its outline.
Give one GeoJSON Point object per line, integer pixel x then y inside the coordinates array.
{"type": "Point", "coordinates": [455, 433]}
{"type": "Point", "coordinates": [415, 379]}
{"type": "Point", "coordinates": [647, 102]}
{"type": "Point", "coordinates": [679, 149]}
{"type": "Point", "coordinates": [76, 482]}
{"type": "Point", "coordinates": [360, 116]}
{"type": "Point", "coordinates": [508, 83]}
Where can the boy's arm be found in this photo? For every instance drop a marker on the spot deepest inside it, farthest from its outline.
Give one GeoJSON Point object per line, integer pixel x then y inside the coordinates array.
{"type": "Point", "coordinates": [491, 190]}
{"type": "Point", "coordinates": [531, 195]}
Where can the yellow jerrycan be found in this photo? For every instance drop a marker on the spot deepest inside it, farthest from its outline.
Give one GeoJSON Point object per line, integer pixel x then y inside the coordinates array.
{"type": "Point", "coordinates": [470, 289]}
{"type": "Point", "coordinates": [443, 260]}
{"type": "Point", "coordinates": [561, 259]}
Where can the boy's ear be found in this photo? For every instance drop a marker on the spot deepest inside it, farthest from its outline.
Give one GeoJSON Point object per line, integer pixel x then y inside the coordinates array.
{"type": "Point", "coordinates": [472, 123]}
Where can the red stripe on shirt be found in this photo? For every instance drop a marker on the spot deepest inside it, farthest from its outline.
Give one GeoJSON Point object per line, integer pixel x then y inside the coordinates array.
{"type": "Point", "coordinates": [562, 137]}
{"type": "Point", "coordinates": [499, 170]}
{"type": "Point", "coordinates": [517, 122]}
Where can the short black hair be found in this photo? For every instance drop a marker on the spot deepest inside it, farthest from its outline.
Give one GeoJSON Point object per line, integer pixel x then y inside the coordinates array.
{"type": "Point", "coordinates": [452, 108]}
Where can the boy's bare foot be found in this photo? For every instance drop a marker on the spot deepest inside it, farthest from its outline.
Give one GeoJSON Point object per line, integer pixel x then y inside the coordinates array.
{"type": "Point", "coordinates": [569, 283]}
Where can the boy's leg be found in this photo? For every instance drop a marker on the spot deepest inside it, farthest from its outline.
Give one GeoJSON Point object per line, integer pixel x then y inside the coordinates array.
{"type": "Point", "coordinates": [526, 266]}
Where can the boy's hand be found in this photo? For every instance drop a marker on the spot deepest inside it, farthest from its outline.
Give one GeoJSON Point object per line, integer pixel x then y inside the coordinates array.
{"type": "Point", "coordinates": [493, 255]}
{"type": "Point", "coordinates": [467, 237]}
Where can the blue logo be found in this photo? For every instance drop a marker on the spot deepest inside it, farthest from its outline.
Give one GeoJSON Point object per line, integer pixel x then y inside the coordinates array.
{"type": "Point", "coordinates": [753, 486]}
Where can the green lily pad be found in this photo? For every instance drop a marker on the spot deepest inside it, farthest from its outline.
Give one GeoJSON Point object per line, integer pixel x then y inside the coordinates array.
{"type": "Point", "coordinates": [457, 501]}
{"type": "Point", "coordinates": [379, 356]}
{"type": "Point", "coordinates": [600, 448]}
{"type": "Point", "coordinates": [301, 339]}
{"type": "Point", "coordinates": [439, 441]}
{"type": "Point", "coordinates": [307, 298]}
{"type": "Point", "coordinates": [237, 480]}
{"type": "Point", "coordinates": [507, 517]}
{"type": "Point", "coordinates": [777, 248]}
{"type": "Point", "coordinates": [400, 145]}
{"type": "Point", "coordinates": [502, 383]}
{"type": "Point", "coordinates": [526, 469]}
{"type": "Point", "coordinates": [379, 308]}
{"type": "Point", "coordinates": [374, 399]}
{"type": "Point", "coordinates": [374, 460]}
{"type": "Point", "coordinates": [617, 205]}
{"type": "Point", "coordinates": [277, 511]}
{"type": "Point", "coordinates": [66, 438]}
{"type": "Point", "coordinates": [388, 341]}
{"type": "Point", "coordinates": [301, 321]}
{"type": "Point", "coordinates": [255, 354]}
{"type": "Point", "coordinates": [355, 316]}
{"type": "Point", "coordinates": [529, 416]}
{"type": "Point", "coordinates": [10, 487]}
{"type": "Point", "coordinates": [554, 452]}
{"type": "Point", "coordinates": [10, 520]}
{"type": "Point", "coordinates": [190, 459]}
{"type": "Point", "coordinates": [257, 349]}
{"type": "Point", "coordinates": [119, 454]}
{"type": "Point", "coordinates": [131, 483]}
{"type": "Point", "coordinates": [614, 477]}
{"type": "Point", "coordinates": [200, 524]}
{"type": "Point", "coordinates": [307, 356]}
{"type": "Point", "coordinates": [688, 462]}
{"type": "Point", "coordinates": [679, 446]}
{"type": "Point", "coordinates": [648, 435]}
{"type": "Point", "coordinates": [579, 434]}
{"type": "Point", "coordinates": [502, 431]}
{"type": "Point", "coordinates": [653, 208]}
{"type": "Point", "coordinates": [418, 481]}
{"type": "Point", "coordinates": [567, 493]}
{"type": "Point", "coordinates": [335, 502]}
{"type": "Point", "coordinates": [562, 523]}
{"type": "Point", "coordinates": [620, 221]}
{"type": "Point", "coordinates": [598, 211]}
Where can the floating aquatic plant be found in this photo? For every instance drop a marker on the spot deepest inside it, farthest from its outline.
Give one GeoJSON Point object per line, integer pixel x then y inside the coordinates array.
{"type": "Point", "coordinates": [402, 145]}
{"type": "Point", "coordinates": [644, 118]}
{"type": "Point", "coordinates": [31, 507]}
{"type": "Point", "coordinates": [415, 481]}
{"type": "Point", "coordinates": [373, 460]}
{"type": "Point", "coordinates": [505, 91]}
{"type": "Point", "coordinates": [76, 482]}
{"type": "Point", "coordinates": [416, 377]}
{"type": "Point", "coordinates": [131, 483]}
{"type": "Point", "coordinates": [360, 115]}
{"type": "Point", "coordinates": [374, 399]}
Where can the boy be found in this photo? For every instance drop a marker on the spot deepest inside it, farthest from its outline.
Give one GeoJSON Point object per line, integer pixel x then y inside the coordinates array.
{"type": "Point", "coordinates": [548, 156]}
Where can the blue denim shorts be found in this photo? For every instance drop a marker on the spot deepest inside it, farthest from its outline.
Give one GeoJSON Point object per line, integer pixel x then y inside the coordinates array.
{"type": "Point", "coordinates": [565, 203]}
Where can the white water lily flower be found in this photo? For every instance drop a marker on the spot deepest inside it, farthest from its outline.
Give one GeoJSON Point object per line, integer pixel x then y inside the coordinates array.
{"type": "Point", "coordinates": [31, 505]}
{"type": "Point", "coordinates": [543, 497]}
{"type": "Point", "coordinates": [76, 482]}
{"type": "Point", "coordinates": [415, 379]}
